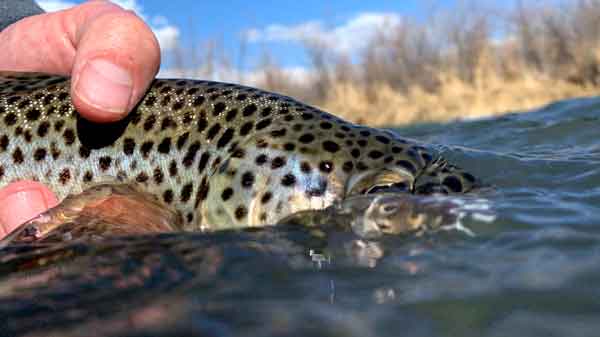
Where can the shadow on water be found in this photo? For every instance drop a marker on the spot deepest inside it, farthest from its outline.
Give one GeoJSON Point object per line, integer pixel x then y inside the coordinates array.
{"type": "Point", "coordinates": [531, 269]}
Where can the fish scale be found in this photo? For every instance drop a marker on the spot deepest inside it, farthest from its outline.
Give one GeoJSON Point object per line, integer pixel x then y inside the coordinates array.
{"type": "Point", "coordinates": [221, 155]}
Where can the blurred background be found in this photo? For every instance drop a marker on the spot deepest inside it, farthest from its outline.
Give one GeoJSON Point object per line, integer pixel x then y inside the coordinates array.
{"type": "Point", "coordinates": [385, 62]}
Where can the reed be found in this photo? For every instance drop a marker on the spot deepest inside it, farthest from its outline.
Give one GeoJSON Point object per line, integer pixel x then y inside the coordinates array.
{"type": "Point", "coordinates": [472, 62]}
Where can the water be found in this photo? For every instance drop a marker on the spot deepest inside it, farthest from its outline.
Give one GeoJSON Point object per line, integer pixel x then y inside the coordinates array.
{"type": "Point", "coordinates": [531, 269]}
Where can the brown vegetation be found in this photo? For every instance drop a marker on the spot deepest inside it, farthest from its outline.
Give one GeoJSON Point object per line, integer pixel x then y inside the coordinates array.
{"type": "Point", "coordinates": [477, 63]}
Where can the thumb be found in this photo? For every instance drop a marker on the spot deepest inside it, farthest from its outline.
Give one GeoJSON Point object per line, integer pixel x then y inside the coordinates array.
{"type": "Point", "coordinates": [117, 57]}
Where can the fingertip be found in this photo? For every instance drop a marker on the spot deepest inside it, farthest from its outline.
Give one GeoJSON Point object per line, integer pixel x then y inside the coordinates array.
{"type": "Point", "coordinates": [21, 201]}
{"type": "Point", "coordinates": [117, 59]}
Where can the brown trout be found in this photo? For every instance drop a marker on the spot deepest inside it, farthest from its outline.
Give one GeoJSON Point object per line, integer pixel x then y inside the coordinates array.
{"type": "Point", "coordinates": [217, 155]}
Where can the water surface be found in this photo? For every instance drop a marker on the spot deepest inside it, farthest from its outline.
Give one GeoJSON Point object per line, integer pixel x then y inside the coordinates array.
{"type": "Point", "coordinates": [530, 270]}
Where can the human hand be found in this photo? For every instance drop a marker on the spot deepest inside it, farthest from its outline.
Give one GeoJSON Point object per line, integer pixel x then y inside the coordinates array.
{"type": "Point", "coordinates": [110, 54]}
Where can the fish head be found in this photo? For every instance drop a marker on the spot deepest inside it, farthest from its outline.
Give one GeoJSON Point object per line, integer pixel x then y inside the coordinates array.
{"type": "Point", "coordinates": [290, 168]}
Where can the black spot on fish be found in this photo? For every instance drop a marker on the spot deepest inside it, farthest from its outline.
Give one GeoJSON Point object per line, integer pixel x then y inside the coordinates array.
{"type": "Point", "coordinates": [43, 128]}
{"type": "Point", "coordinates": [128, 146]}
{"type": "Point", "coordinates": [48, 99]}
{"type": "Point", "coordinates": [213, 131]}
{"type": "Point", "coordinates": [54, 150]}
{"type": "Point", "coordinates": [247, 179]}
{"type": "Point", "coordinates": [88, 176]}
{"type": "Point", "coordinates": [266, 111]}
{"type": "Point", "coordinates": [289, 146]}
{"type": "Point", "coordinates": [277, 162]}
{"type": "Point", "coordinates": [158, 176]}
{"type": "Point", "coordinates": [249, 110]}
{"type": "Point", "coordinates": [198, 101]}
{"type": "Point", "coordinates": [218, 108]}
{"type": "Point", "coordinates": [146, 148]}
{"type": "Point", "coordinates": [348, 166]}
{"type": "Point", "coordinates": [181, 140]}
{"type": "Point", "coordinates": [10, 119]}
{"type": "Point", "coordinates": [190, 155]}
{"type": "Point", "coordinates": [177, 106]}
{"type": "Point", "coordinates": [167, 123]}
{"type": "Point", "coordinates": [24, 103]}
{"type": "Point", "coordinates": [33, 114]}
{"type": "Point", "coordinates": [203, 161]}
{"type": "Point", "coordinates": [58, 125]}
{"type": "Point", "coordinates": [4, 142]}
{"type": "Point", "coordinates": [240, 212]}
{"type": "Point", "coordinates": [186, 192]}
{"type": "Point", "coordinates": [165, 146]}
{"type": "Point", "coordinates": [263, 124]}
{"type": "Point", "coordinates": [150, 100]}
{"type": "Point", "coordinates": [104, 162]}
{"type": "Point", "coordinates": [17, 156]}
{"type": "Point", "coordinates": [266, 197]}
{"type": "Point", "coordinates": [261, 159]}
{"type": "Point", "coordinates": [238, 153]}
{"type": "Point", "coordinates": [227, 193]}
{"type": "Point", "coordinates": [375, 154]}
{"type": "Point", "coordinates": [168, 196]}
{"type": "Point", "coordinates": [306, 116]}
{"type": "Point", "coordinates": [306, 138]}
{"type": "Point", "coordinates": [202, 123]}
{"type": "Point", "coordinates": [64, 176]}
{"type": "Point", "coordinates": [142, 177]}
{"type": "Point", "coordinates": [231, 115]}
{"type": "Point", "coordinates": [305, 167]}
{"type": "Point", "coordinates": [84, 152]}
{"type": "Point", "coordinates": [330, 146]}
{"type": "Point", "coordinates": [246, 128]}
{"type": "Point", "coordinates": [202, 191]}
{"type": "Point", "coordinates": [39, 154]}
{"type": "Point", "coordinates": [225, 137]}
{"type": "Point", "coordinates": [288, 180]}
{"type": "Point", "coordinates": [28, 136]}
{"type": "Point", "coordinates": [278, 133]}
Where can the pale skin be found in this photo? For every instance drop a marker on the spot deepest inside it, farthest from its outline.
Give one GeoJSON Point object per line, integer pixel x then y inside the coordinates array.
{"type": "Point", "coordinates": [111, 55]}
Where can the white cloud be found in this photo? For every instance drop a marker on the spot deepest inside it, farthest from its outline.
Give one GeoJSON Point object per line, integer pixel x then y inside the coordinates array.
{"type": "Point", "coordinates": [350, 36]}
{"type": "Point", "coordinates": [166, 34]}
{"type": "Point", "coordinates": [55, 5]}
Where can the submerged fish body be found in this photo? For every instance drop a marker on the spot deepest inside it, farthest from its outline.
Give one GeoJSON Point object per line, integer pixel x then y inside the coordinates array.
{"type": "Point", "coordinates": [220, 155]}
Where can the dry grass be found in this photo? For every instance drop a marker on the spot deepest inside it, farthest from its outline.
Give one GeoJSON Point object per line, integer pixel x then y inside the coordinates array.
{"type": "Point", "coordinates": [471, 62]}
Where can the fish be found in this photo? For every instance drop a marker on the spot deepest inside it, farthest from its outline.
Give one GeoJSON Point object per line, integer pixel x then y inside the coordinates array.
{"type": "Point", "coordinates": [216, 155]}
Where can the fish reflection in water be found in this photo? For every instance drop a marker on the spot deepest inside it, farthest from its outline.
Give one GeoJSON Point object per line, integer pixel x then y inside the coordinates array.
{"type": "Point", "coordinates": [369, 216]}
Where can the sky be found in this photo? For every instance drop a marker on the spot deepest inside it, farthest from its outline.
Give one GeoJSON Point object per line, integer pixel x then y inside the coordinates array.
{"type": "Point", "coordinates": [281, 27]}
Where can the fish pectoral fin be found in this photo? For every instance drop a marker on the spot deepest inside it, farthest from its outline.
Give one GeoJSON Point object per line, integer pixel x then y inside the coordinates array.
{"type": "Point", "coordinates": [100, 211]}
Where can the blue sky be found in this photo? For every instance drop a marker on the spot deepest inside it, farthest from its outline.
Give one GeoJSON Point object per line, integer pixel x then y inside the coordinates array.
{"type": "Point", "coordinates": [278, 26]}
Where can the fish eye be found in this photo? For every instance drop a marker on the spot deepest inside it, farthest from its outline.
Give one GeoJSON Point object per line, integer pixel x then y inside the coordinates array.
{"type": "Point", "coordinates": [381, 181]}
